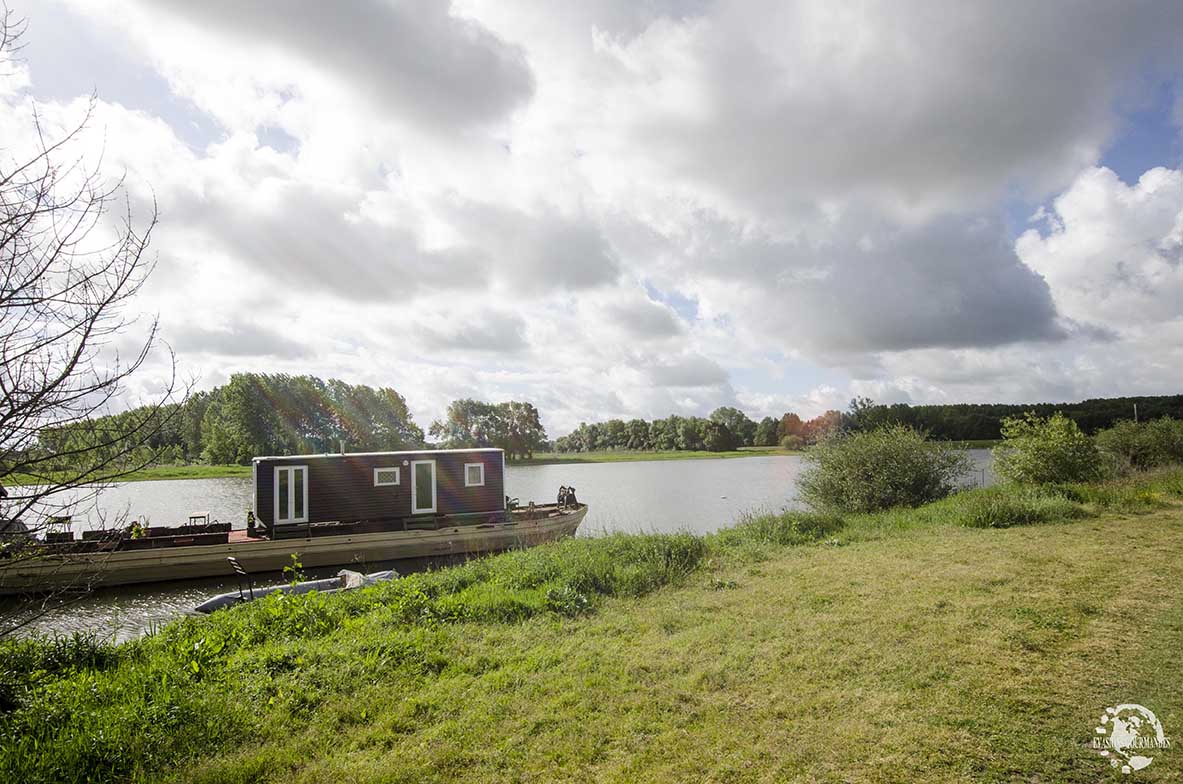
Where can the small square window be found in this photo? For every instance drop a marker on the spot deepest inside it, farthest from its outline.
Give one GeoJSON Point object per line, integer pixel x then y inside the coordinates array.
{"type": "Point", "coordinates": [386, 476]}
{"type": "Point", "coordinates": [474, 474]}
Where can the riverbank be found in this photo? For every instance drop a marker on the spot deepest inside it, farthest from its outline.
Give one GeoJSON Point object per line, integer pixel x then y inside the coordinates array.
{"type": "Point", "coordinates": [201, 471]}
{"type": "Point", "coordinates": [917, 645]}
{"type": "Point", "coordinates": [195, 471]}
{"type": "Point", "coordinates": [625, 456]}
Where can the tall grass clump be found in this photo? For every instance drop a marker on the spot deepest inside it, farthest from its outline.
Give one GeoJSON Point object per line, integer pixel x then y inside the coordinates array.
{"type": "Point", "coordinates": [1044, 450]}
{"type": "Point", "coordinates": [891, 466]}
{"type": "Point", "coordinates": [1143, 445]}
{"type": "Point", "coordinates": [788, 528]}
{"type": "Point", "coordinates": [1004, 507]}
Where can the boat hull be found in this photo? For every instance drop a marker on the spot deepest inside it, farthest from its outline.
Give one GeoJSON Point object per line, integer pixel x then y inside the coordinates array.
{"type": "Point", "coordinates": [124, 567]}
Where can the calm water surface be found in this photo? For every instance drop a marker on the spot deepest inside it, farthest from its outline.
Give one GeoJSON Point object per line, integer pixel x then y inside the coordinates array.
{"type": "Point", "coordinates": [699, 496]}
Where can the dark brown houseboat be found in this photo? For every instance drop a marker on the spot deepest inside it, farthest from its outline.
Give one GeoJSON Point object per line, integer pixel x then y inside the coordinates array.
{"type": "Point", "coordinates": [328, 510]}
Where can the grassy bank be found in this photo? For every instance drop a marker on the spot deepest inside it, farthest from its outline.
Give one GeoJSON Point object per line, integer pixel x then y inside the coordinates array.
{"type": "Point", "coordinates": [625, 456]}
{"type": "Point", "coordinates": [975, 639]}
{"type": "Point", "coordinates": [198, 471]}
{"type": "Point", "coordinates": [151, 473]}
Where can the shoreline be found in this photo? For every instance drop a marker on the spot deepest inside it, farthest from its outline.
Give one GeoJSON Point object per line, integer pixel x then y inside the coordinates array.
{"type": "Point", "coordinates": [202, 471]}
{"type": "Point", "coordinates": [641, 456]}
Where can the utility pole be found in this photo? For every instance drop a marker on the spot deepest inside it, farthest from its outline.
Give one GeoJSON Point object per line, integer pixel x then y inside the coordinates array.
{"type": "Point", "coordinates": [1135, 413]}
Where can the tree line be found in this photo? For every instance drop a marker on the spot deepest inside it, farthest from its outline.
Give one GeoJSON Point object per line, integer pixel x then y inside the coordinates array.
{"type": "Point", "coordinates": [984, 421]}
{"type": "Point", "coordinates": [258, 414]}
{"type": "Point", "coordinates": [729, 428]}
{"type": "Point", "coordinates": [725, 429]}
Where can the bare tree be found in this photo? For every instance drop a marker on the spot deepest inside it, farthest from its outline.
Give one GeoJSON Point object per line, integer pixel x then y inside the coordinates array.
{"type": "Point", "coordinates": [71, 260]}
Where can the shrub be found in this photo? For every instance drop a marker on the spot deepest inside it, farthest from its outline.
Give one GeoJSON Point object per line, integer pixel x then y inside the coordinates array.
{"type": "Point", "coordinates": [1143, 444]}
{"type": "Point", "coordinates": [792, 442]}
{"type": "Point", "coordinates": [892, 466]}
{"type": "Point", "coordinates": [1003, 507]}
{"type": "Point", "coordinates": [1036, 450]}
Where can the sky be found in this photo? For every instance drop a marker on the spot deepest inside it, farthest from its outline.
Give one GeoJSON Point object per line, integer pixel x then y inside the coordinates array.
{"type": "Point", "coordinates": [619, 208]}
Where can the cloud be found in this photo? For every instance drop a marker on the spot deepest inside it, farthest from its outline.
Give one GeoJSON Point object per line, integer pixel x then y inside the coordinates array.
{"type": "Point", "coordinates": [1113, 253]}
{"type": "Point", "coordinates": [477, 330]}
{"type": "Point", "coordinates": [643, 319]}
{"type": "Point", "coordinates": [663, 199]}
{"type": "Point", "coordinates": [238, 339]}
{"type": "Point", "coordinates": [413, 57]}
{"type": "Point", "coordinates": [863, 285]}
{"type": "Point", "coordinates": [770, 109]}
{"type": "Point", "coordinates": [686, 371]}
{"type": "Point", "coordinates": [536, 253]}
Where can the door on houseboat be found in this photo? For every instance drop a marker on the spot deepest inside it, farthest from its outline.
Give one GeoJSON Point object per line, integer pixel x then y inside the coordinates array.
{"type": "Point", "coordinates": [422, 486]}
{"type": "Point", "coordinates": [291, 494]}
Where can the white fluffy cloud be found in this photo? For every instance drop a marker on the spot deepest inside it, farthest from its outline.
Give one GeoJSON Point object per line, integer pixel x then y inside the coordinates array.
{"type": "Point", "coordinates": [1113, 253]}
{"type": "Point", "coordinates": [664, 202]}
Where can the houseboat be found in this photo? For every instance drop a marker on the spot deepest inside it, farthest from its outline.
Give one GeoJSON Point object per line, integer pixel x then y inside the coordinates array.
{"type": "Point", "coordinates": [346, 509]}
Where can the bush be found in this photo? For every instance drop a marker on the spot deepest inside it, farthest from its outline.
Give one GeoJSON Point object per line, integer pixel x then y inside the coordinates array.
{"type": "Point", "coordinates": [1036, 450]}
{"type": "Point", "coordinates": [792, 442]}
{"type": "Point", "coordinates": [892, 466]}
{"type": "Point", "coordinates": [1143, 444]}
{"type": "Point", "coordinates": [1003, 507]}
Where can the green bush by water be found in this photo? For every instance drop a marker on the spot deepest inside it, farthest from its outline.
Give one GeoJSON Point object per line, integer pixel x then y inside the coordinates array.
{"type": "Point", "coordinates": [1142, 445]}
{"type": "Point", "coordinates": [1044, 450]}
{"type": "Point", "coordinates": [880, 469]}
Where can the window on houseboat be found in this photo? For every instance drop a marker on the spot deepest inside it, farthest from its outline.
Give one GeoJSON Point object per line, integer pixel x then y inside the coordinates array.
{"type": "Point", "coordinates": [474, 474]}
{"type": "Point", "coordinates": [387, 476]}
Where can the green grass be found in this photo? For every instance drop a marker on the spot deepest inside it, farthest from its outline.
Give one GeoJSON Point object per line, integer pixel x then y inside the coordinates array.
{"type": "Point", "coordinates": [626, 456]}
{"type": "Point", "coordinates": [909, 645]}
{"type": "Point", "coordinates": [977, 443]}
{"type": "Point", "coordinates": [196, 471]}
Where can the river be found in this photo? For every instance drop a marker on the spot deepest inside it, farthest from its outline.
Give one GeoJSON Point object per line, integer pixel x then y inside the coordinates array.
{"type": "Point", "coordinates": [698, 496]}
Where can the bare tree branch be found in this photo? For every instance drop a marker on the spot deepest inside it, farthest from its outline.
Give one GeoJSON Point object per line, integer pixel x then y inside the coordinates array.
{"type": "Point", "coordinates": [73, 257]}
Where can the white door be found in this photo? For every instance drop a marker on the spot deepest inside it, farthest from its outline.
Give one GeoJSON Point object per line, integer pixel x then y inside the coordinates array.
{"type": "Point", "coordinates": [291, 494]}
{"type": "Point", "coordinates": [422, 486]}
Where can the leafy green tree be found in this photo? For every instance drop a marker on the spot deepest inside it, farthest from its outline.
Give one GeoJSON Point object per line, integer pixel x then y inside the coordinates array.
{"type": "Point", "coordinates": [1041, 450]}
{"type": "Point", "coordinates": [766, 432]}
{"type": "Point", "coordinates": [638, 435]}
{"type": "Point", "coordinates": [663, 433]}
{"type": "Point", "coordinates": [790, 425]}
{"type": "Point", "coordinates": [467, 425]}
{"type": "Point", "coordinates": [737, 422]}
{"type": "Point", "coordinates": [717, 437]}
{"type": "Point", "coordinates": [517, 428]}
{"type": "Point", "coordinates": [690, 433]}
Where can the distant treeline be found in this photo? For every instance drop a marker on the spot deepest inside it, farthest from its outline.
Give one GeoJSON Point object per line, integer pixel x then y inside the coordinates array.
{"type": "Point", "coordinates": [260, 414]}
{"type": "Point", "coordinates": [257, 414]}
{"type": "Point", "coordinates": [974, 421]}
{"type": "Point", "coordinates": [727, 428]}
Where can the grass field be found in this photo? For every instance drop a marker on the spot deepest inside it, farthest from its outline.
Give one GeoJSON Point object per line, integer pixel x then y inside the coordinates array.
{"type": "Point", "coordinates": [624, 456]}
{"type": "Point", "coordinates": [943, 644]}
